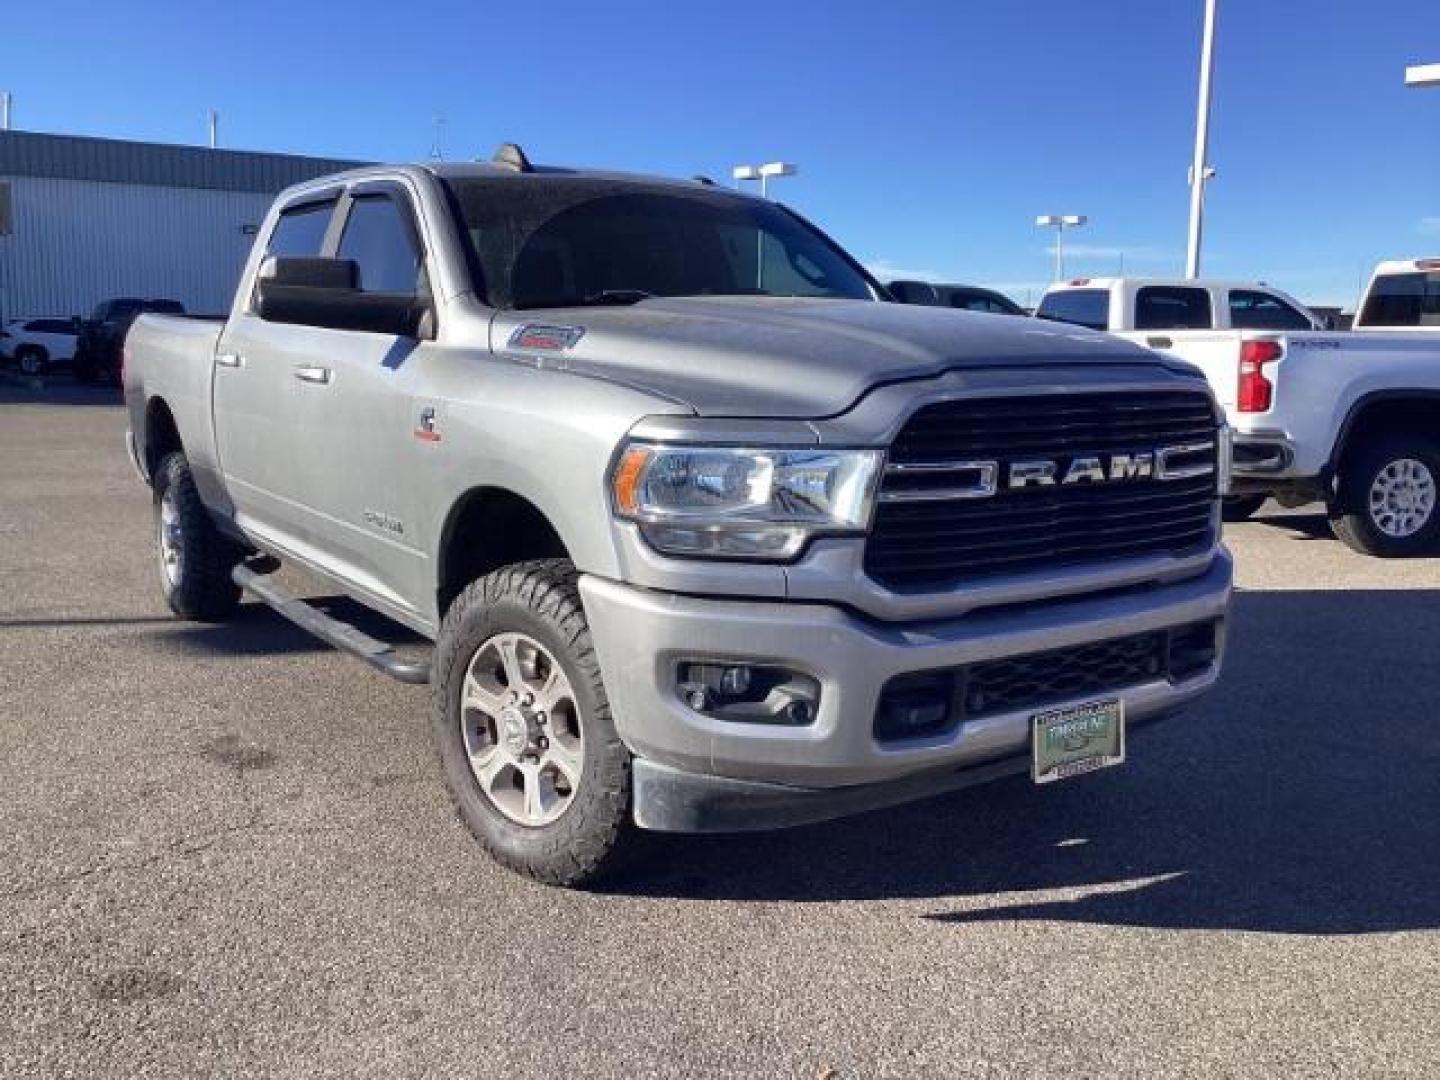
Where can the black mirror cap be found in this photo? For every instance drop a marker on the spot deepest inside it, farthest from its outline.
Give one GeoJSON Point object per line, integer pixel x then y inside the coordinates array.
{"type": "Point", "coordinates": [399, 314]}
{"type": "Point", "coordinates": [914, 292]}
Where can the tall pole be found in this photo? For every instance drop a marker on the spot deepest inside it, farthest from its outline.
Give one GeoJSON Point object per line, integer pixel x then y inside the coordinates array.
{"type": "Point", "coordinates": [5, 110]}
{"type": "Point", "coordinates": [1059, 252]}
{"type": "Point", "coordinates": [1199, 168]}
{"type": "Point", "coordinates": [214, 129]}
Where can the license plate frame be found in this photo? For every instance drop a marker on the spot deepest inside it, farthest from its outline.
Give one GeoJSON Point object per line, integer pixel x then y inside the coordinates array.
{"type": "Point", "coordinates": [1077, 739]}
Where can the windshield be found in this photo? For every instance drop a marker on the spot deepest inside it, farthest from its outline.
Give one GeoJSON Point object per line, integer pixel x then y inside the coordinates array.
{"type": "Point", "coordinates": [565, 241]}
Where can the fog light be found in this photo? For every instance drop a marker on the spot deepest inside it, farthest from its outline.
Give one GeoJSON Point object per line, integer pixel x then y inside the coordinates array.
{"type": "Point", "coordinates": [746, 693]}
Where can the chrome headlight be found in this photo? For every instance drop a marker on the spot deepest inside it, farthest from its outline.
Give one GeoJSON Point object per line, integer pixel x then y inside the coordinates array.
{"type": "Point", "coordinates": [730, 502]}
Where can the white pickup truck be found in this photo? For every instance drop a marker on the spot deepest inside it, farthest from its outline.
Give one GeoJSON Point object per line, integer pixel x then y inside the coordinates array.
{"type": "Point", "coordinates": [1352, 420]}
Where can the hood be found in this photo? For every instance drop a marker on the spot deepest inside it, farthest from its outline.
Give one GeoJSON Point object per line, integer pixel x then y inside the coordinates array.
{"type": "Point", "coordinates": [783, 357]}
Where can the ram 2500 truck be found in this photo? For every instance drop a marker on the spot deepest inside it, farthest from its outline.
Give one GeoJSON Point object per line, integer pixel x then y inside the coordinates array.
{"type": "Point", "coordinates": [708, 535]}
{"type": "Point", "coordinates": [1350, 420]}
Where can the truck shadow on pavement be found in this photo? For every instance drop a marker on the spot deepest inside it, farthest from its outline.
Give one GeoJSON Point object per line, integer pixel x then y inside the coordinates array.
{"type": "Point", "coordinates": [1302, 797]}
{"type": "Point", "coordinates": [256, 630]}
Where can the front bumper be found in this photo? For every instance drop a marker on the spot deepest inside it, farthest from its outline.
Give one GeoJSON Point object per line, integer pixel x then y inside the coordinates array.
{"type": "Point", "coordinates": [641, 636]}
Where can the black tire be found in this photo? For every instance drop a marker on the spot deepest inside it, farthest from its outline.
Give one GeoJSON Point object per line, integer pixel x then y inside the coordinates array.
{"type": "Point", "coordinates": [198, 585]}
{"type": "Point", "coordinates": [589, 838]}
{"type": "Point", "coordinates": [1357, 524]}
{"type": "Point", "coordinates": [1241, 507]}
{"type": "Point", "coordinates": [31, 360]}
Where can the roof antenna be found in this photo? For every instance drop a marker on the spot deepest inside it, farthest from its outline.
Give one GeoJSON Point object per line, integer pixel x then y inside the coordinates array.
{"type": "Point", "coordinates": [437, 151]}
{"type": "Point", "coordinates": [512, 157]}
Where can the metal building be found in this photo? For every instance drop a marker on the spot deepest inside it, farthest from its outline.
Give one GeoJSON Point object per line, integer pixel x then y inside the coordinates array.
{"type": "Point", "coordinates": [83, 220]}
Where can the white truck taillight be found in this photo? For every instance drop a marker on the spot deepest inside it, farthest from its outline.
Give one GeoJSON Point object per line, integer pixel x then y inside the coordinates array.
{"type": "Point", "coordinates": [1256, 392]}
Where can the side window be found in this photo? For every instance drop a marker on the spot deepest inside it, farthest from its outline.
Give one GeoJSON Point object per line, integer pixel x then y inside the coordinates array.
{"type": "Point", "coordinates": [1250, 310]}
{"type": "Point", "coordinates": [378, 238]}
{"type": "Point", "coordinates": [1166, 307]}
{"type": "Point", "coordinates": [301, 231]}
{"type": "Point", "coordinates": [1083, 307]}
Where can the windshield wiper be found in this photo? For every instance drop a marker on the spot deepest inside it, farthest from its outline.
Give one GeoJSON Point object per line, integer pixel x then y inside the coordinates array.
{"type": "Point", "coordinates": [617, 296]}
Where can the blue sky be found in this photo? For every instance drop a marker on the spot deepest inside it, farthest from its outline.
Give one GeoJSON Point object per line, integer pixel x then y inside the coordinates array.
{"type": "Point", "coordinates": [928, 134]}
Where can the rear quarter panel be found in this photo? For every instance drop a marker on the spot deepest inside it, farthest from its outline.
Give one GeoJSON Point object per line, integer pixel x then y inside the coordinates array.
{"type": "Point", "coordinates": [170, 358]}
{"type": "Point", "coordinates": [1322, 376]}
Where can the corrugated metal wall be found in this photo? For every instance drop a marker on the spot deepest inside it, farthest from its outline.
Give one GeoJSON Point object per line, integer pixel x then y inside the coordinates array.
{"type": "Point", "coordinates": [77, 242]}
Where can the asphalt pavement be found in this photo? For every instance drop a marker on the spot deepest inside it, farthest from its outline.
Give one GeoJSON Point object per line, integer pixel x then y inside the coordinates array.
{"type": "Point", "coordinates": [226, 851]}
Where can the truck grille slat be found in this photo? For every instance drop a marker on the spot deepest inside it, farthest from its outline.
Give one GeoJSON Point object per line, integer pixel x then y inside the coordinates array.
{"type": "Point", "coordinates": [919, 542]}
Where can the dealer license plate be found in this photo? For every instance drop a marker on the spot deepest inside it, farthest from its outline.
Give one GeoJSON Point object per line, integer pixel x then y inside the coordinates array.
{"type": "Point", "coordinates": [1079, 739]}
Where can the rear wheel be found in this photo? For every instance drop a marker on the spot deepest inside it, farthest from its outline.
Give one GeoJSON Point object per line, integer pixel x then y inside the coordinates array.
{"type": "Point", "coordinates": [1387, 502]}
{"type": "Point", "coordinates": [31, 360]}
{"type": "Point", "coordinates": [195, 559]}
{"type": "Point", "coordinates": [522, 726]}
{"type": "Point", "coordinates": [1241, 507]}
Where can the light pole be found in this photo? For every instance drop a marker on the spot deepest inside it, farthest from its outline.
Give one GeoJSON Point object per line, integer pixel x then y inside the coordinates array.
{"type": "Point", "coordinates": [763, 173]}
{"type": "Point", "coordinates": [1200, 171]}
{"type": "Point", "coordinates": [1060, 222]}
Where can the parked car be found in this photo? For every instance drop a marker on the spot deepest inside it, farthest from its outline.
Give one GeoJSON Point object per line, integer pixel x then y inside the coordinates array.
{"type": "Point", "coordinates": [98, 350]}
{"type": "Point", "coordinates": [1403, 294]}
{"type": "Point", "coordinates": [965, 297]}
{"type": "Point", "coordinates": [1351, 420]}
{"type": "Point", "coordinates": [707, 537]}
{"type": "Point", "coordinates": [36, 345]}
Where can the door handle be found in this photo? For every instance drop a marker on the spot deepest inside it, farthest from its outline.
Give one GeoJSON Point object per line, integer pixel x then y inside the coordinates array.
{"type": "Point", "coordinates": [1160, 342]}
{"type": "Point", "coordinates": [229, 359]}
{"type": "Point", "coordinates": [313, 374]}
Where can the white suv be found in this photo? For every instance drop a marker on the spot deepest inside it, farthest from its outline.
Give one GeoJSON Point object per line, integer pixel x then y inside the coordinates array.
{"type": "Point", "coordinates": [36, 344]}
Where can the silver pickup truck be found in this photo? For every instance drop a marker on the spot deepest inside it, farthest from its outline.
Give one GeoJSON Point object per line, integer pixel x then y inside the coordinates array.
{"type": "Point", "coordinates": [709, 535]}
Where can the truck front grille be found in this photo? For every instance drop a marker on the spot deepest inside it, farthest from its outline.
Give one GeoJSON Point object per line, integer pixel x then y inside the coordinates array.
{"type": "Point", "coordinates": [943, 520]}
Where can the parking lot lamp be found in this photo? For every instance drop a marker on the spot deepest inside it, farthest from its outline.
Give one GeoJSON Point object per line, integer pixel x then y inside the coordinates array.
{"type": "Point", "coordinates": [1423, 76]}
{"type": "Point", "coordinates": [1060, 222]}
{"type": "Point", "coordinates": [763, 173]}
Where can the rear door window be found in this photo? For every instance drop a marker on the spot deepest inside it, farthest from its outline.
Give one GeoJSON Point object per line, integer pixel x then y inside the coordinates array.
{"type": "Point", "coordinates": [1403, 300]}
{"type": "Point", "coordinates": [378, 237]}
{"type": "Point", "coordinates": [1169, 307]}
{"type": "Point", "coordinates": [1082, 307]}
{"type": "Point", "coordinates": [301, 229]}
{"type": "Point", "coordinates": [1252, 310]}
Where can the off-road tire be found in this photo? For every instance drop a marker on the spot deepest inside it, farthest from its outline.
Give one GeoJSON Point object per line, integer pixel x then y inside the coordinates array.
{"type": "Point", "coordinates": [1351, 520]}
{"type": "Point", "coordinates": [1241, 507]}
{"type": "Point", "coordinates": [201, 589]}
{"type": "Point", "coordinates": [31, 360]}
{"type": "Point", "coordinates": [590, 838]}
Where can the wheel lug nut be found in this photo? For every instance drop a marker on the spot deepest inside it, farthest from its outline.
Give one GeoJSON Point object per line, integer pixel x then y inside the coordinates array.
{"type": "Point", "coordinates": [540, 719]}
{"type": "Point", "coordinates": [543, 743]}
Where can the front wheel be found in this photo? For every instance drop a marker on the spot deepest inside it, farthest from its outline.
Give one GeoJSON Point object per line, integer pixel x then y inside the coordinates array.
{"type": "Point", "coordinates": [522, 726]}
{"type": "Point", "coordinates": [195, 559]}
{"type": "Point", "coordinates": [1386, 503]}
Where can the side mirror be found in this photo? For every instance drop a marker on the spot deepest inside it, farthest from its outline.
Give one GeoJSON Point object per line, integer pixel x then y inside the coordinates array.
{"type": "Point", "coordinates": [325, 292]}
{"type": "Point", "coordinates": [915, 292]}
